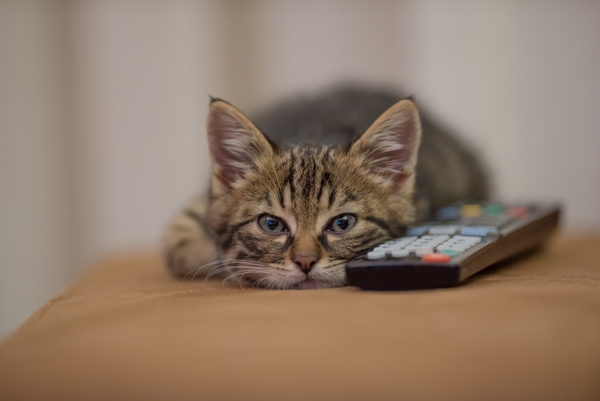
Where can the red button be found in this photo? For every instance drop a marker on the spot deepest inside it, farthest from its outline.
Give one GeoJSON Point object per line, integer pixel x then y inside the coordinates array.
{"type": "Point", "coordinates": [436, 258]}
{"type": "Point", "coordinates": [517, 211]}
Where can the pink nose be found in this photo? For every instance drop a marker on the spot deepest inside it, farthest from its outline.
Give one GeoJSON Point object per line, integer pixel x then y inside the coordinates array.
{"type": "Point", "coordinates": [305, 262]}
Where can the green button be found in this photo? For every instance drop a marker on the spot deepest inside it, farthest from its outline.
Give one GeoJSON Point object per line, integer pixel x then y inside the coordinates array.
{"type": "Point", "coordinates": [494, 210]}
{"type": "Point", "coordinates": [450, 252]}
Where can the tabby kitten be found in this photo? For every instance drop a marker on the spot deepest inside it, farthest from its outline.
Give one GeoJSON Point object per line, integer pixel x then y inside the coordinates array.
{"type": "Point", "coordinates": [324, 180]}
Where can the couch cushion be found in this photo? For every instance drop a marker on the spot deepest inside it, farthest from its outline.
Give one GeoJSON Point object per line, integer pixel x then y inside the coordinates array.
{"type": "Point", "coordinates": [127, 330]}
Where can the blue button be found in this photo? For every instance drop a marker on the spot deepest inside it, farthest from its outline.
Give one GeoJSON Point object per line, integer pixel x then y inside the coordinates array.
{"type": "Point", "coordinates": [448, 213]}
{"type": "Point", "coordinates": [477, 231]}
{"type": "Point", "coordinates": [418, 231]}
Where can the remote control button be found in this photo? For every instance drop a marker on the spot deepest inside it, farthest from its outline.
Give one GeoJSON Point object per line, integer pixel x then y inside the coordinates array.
{"type": "Point", "coordinates": [373, 255]}
{"type": "Point", "coordinates": [477, 231]}
{"type": "Point", "coordinates": [450, 252]}
{"type": "Point", "coordinates": [494, 210]}
{"type": "Point", "coordinates": [518, 211]}
{"type": "Point", "coordinates": [400, 253]}
{"type": "Point", "coordinates": [423, 251]}
{"type": "Point", "coordinates": [391, 246]}
{"type": "Point", "coordinates": [443, 230]}
{"type": "Point", "coordinates": [470, 239]}
{"type": "Point", "coordinates": [448, 213]}
{"type": "Point", "coordinates": [417, 231]}
{"type": "Point", "coordinates": [401, 239]}
{"type": "Point", "coordinates": [439, 239]}
{"type": "Point", "coordinates": [436, 258]}
{"type": "Point", "coordinates": [496, 221]}
{"type": "Point", "coordinates": [452, 247]}
{"type": "Point", "coordinates": [388, 248]}
{"type": "Point", "coordinates": [473, 210]}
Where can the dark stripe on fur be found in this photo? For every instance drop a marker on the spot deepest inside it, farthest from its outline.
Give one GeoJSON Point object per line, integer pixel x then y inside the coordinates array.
{"type": "Point", "coordinates": [180, 244]}
{"type": "Point", "coordinates": [280, 194]}
{"type": "Point", "coordinates": [233, 230]}
{"type": "Point", "coordinates": [222, 229]}
{"type": "Point", "coordinates": [195, 216]}
{"type": "Point", "coordinates": [290, 178]}
{"type": "Point", "coordinates": [267, 200]}
{"type": "Point", "coordinates": [309, 178]}
{"type": "Point", "coordinates": [250, 245]}
{"type": "Point", "coordinates": [324, 242]}
{"type": "Point", "coordinates": [366, 248]}
{"type": "Point", "coordinates": [347, 198]}
{"type": "Point", "coordinates": [332, 195]}
{"type": "Point", "coordinates": [363, 238]}
{"type": "Point", "coordinates": [242, 255]}
{"type": "Point", "coordinates": [237, 226]}
{"type": "Point", "coordinates": [378, 222]}
{"type": "Point", "coordinates": [325, 180]}
{"type": "Point", "coordinates": [288, 243]}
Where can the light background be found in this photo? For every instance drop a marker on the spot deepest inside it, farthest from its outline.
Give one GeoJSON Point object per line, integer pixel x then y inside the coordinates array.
{"type": "Point", "coordinates": [103, 103]}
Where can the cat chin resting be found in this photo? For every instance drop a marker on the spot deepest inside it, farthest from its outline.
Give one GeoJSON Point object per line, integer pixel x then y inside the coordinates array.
{"type": "Point", "coordinates": [323, 180]}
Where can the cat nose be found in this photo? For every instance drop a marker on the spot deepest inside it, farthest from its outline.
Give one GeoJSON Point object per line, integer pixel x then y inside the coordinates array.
{"type": "Point", "coordinates": [305, 262]}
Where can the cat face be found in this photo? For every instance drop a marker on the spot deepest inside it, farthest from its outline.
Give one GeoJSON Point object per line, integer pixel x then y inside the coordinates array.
{"type": "Point", "coordinates": [291, 217]}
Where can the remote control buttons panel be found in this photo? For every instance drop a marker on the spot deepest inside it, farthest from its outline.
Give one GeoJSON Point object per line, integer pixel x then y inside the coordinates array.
{"type": "Point", "coordinates": [460, 227]}
{"type": "Point", "coordinates": [425, 247]}
{"type": "Point", "coordinates": [495, 211]}
{"type": "Point", "coordinates": [479, 231]}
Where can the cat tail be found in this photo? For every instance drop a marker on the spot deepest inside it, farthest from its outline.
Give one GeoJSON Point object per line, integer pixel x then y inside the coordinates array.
{"type": "Point", "coordinates": [188, 243]}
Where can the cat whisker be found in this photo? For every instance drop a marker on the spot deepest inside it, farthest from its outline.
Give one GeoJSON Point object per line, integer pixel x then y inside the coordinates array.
{"type": "Point", "coordinates": [225, 268]}
{"type": "Point", "coordinates": [259, 281]}
{"type": "Point", "coordinates": [247, 266]}
{"type": "Point", "coordinates": [213, 264]}
{"type": "Point", "coordinates": [242, 273]}
{"type": "Point", "coordinates": [279, 284]}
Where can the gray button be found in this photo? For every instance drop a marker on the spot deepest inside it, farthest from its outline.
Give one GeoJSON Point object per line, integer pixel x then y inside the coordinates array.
{"type": "Point", "coordinates": [400, 253]}
{"type": "Point", "coordinates": [373, 255]}
{"type": "Point", "coordinates": [443, 230]}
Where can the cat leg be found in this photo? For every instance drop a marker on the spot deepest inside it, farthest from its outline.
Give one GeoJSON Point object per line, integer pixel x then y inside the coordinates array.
{"type": "Point", "coordinates": [188, 241]}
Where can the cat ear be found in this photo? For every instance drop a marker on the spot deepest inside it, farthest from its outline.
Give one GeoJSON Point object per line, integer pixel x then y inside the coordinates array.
{"type": "Point", "coordinates": [390, 146]}
{"type": "Point", "coordinates": [235, 144]}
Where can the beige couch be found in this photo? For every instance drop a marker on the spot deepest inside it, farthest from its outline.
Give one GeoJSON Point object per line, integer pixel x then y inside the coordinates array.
{"type": "Point", "coordinates": [529, 330]}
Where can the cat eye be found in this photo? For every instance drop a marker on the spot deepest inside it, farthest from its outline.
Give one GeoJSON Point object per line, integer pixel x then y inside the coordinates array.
{"type": "Point", "coordinates": [342, 224]}
{"type": "Point", "coordinates": [271, 225]}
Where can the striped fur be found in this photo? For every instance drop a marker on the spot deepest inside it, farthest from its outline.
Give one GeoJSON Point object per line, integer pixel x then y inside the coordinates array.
{"type": "Point", "coordinates": [307, 184]}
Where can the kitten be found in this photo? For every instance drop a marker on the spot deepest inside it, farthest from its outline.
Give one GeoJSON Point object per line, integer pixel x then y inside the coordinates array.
{"type": "Point", "coordinates": [322, 181]}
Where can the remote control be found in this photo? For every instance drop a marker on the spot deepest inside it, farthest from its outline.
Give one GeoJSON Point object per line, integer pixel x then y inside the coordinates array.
{"type": "Point", "coordinates": [465, 239]}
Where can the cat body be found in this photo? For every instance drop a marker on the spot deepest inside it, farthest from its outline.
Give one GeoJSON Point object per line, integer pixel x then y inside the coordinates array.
{"type": "Point", "coordinates": [314, 183]}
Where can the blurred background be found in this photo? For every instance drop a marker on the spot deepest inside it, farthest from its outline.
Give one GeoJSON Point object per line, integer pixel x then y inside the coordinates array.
{"type": "Point", "coordinates": [103, 105]}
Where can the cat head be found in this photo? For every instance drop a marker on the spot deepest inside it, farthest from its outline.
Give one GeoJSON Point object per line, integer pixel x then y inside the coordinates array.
{"type": "Point", "coordinates": [291, 217]}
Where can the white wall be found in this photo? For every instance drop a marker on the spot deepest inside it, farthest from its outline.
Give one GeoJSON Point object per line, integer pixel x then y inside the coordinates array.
{"type": "Point", "coordinates": [521, 80]}
{"type": "Point", "coordinates": [141, 76]}
{"type": "Point", "coordinates": [104, 102]}
{"type": "Point", "coordinates": [37, 247]}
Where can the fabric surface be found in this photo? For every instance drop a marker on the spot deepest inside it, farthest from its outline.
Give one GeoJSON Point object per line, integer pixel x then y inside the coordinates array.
{"type": "Point", "coordinates": [527, 330]}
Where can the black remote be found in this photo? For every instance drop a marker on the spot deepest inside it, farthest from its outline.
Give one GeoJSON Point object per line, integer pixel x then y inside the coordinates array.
{"type": "Point", "coordinates": [465, 239]}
